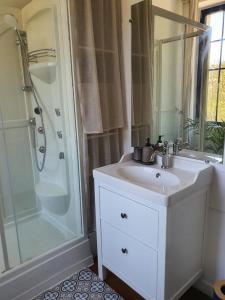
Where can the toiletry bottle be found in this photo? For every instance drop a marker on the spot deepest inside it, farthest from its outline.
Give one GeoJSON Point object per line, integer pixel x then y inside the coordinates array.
{"type": "Point", "coordinates": [137, 154]}
{"type": "Point", "coordinates": [147, 151]}
{"type": "Point", "coordinates": [159, 145]}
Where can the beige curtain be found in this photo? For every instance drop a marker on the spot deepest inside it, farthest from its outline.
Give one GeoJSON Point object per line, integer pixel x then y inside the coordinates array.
{"type": "Point", "coordinates": [97, 24]}
{"type": "Point", "coordinates": [142, 84]}
{"type": "Point", "coordinates": [191, 11]}
{"type": "Point", "coordinates": [96, 28]}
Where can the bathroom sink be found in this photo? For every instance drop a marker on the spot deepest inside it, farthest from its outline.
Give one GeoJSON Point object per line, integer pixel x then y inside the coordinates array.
{"type": "Point", "coordinates": [164, 187]}
{"type": "Point", "coordinates": [148, 176]}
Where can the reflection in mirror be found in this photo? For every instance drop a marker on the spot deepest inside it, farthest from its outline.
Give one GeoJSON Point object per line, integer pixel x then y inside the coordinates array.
{"type": "Point", "coordinates": [141, 104]}
{"type": "Point", "coordinates": [178, 104]}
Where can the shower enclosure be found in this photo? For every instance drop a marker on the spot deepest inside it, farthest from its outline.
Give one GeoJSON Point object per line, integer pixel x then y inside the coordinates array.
{"type": "Point", "coordinates": [40, 194]}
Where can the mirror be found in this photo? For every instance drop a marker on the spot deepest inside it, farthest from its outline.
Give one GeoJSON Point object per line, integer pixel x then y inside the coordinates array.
{"type": "Point", "coordinates": [175, 103]}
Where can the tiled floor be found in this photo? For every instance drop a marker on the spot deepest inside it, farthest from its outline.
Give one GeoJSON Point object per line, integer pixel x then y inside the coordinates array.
{"type": "Point", "coordinates": [128, 294]}
{"type": "Point", "coordinates": [85, 285]}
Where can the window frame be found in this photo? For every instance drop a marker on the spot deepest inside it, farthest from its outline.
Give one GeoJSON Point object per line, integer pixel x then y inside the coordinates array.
{"type": "Point", "coordinates": [204, 13]}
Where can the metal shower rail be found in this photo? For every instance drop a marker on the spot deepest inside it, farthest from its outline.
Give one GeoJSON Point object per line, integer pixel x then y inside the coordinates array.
{"type": "Point", "coordinates": [34, 55]}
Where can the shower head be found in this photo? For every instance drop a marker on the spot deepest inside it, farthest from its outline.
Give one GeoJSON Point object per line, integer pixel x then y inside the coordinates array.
{"type": "Point", "coordinates": [11, 21]}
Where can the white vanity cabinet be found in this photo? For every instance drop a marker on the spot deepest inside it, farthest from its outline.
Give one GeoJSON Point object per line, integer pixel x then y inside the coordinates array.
{"type": "Point", "coordinates": [156, 249]}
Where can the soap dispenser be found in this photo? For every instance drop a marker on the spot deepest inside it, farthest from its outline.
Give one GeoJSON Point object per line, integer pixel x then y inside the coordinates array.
{"type": "Point", "coordinates": [159, 145]}
{"type": "Point", "coordinates": [148, 152]}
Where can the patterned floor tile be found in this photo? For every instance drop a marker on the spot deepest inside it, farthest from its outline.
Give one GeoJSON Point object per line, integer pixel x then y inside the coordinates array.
{"type": "Point", "coordinates": [84, 285]}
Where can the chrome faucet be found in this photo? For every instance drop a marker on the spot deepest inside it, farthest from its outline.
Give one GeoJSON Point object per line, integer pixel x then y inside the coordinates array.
{"type": "Point", "coordinates": [166, 157]}
{"type": "Point", "coordinates": [177, 146]}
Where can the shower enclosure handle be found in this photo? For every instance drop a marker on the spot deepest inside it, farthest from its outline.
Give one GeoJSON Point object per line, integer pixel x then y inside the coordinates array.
{"type": "Point", "coordinates": [32, 122]}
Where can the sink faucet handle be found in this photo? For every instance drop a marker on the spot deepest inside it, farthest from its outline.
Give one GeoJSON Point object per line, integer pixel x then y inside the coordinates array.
{"type": "Point", "coordinates": [166, 148]}
{"type": "Point", "coordinates": [177, 146]}
{"type": "Point", "coordinates": [178, 141]}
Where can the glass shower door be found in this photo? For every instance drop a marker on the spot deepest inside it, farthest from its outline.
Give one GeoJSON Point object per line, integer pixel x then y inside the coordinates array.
{"type": "Point", "coordinates": [16, 173]}
{"type": "Point", "coordinates": [9, 244]}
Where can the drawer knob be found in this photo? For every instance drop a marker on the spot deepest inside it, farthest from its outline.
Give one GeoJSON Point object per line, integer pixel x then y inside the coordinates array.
{"type": "Point", "coordinates": [123, 216]}
{"type": "Point", "coordinates": [124, 250]}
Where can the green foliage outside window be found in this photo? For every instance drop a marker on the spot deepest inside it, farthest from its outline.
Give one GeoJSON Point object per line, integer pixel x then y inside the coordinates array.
{"type": "Point", "coordinates": [214, 134]}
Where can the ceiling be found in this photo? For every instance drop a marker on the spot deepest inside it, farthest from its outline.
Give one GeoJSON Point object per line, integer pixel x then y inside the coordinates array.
{"type": "Point", "coordinates": [15, 3]}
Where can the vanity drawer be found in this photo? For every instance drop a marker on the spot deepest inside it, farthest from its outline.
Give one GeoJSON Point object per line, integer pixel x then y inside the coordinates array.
{"type": "Point", "coordinates": [130, 217]}
{"type": "Point", "coordinates": [129, 259]}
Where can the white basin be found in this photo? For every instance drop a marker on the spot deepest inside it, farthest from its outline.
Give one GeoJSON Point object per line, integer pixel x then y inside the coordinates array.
{"type": "Point", "coordinates": [164, 187]}
{"type": "Point", "coordinates": [213, 158]}
{"type": "Point", "coordinates": [148, 176]}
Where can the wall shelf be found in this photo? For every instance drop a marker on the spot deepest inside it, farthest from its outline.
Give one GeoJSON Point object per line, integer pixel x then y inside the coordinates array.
{"type": "Point", "coordinates": [45, 71]}
{"type": "Point", "coordinates": [52, 197]}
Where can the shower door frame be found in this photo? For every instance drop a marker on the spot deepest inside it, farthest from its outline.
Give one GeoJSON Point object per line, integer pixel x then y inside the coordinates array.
{"type": "Point", "coordinates": [3, 239]}
{"type": "Point", "coordinates": [3, 242]}
{"type": "Point", "coordinates": [158, 11]}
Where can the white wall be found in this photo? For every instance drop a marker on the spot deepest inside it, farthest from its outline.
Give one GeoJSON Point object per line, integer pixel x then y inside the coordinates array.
{"type": "Point", "coordinates": [208, 3]}
{"type": "Point", "coordinates": [215, 235]}
{"type": "Point", "coordinates": [214, 260]}
{"type": "Point", "coordinates": [171, 5]}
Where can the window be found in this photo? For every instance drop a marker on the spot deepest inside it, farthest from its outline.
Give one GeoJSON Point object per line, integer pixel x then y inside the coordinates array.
{"type": "Point", "coordinates": [215, 18]}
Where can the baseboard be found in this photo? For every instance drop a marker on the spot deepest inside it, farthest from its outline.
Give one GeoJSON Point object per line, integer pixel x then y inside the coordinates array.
{"type": "Point", "coordinates": [187, 285]}
{"type": "Point", "coordinates": [205, 287]}
{"type": "Point", "coordinates": [51, 269]}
